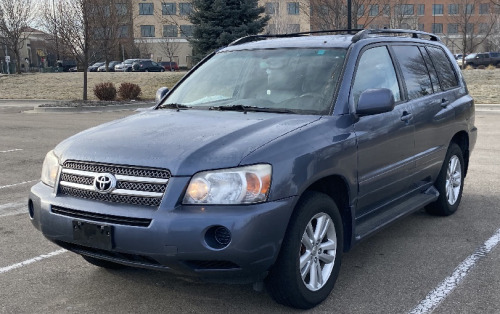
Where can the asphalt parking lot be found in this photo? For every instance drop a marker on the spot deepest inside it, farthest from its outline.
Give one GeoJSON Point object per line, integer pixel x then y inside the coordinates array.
{"type": "Point", "coordinates": [418, 265]}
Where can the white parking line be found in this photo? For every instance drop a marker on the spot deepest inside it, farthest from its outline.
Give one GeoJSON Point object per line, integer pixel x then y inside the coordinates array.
{"type": "Point", "coordinates": [30, 261]}
{"type": "Point", "coordinates": [445, 288]}
{"type": "Point", "coordinates": [15, 184]}
{"type": "Point", "coordinates": [10, 150]}
{"type": "Point", "coordinates": [11, 209]}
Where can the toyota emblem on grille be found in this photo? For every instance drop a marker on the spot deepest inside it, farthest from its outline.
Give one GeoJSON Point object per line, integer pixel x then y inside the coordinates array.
{"type": "Point", "coordinates": [104, 183]}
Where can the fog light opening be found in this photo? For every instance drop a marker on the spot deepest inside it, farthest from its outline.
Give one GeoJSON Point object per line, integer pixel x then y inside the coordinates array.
{"type": "Point", "coordinates": [31, 209]}
{"type": "Point", "coordinates": [218, 237]}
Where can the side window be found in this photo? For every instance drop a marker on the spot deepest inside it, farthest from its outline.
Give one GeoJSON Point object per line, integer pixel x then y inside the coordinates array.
{"type": "Point", "coordinates": [418, 82]}
{"type": "Point", "coordinates": [444, 69]}
{"type": "Point", "coordinates": [432, 70]}
{"type": "Point", "coordinates": [375, 70]}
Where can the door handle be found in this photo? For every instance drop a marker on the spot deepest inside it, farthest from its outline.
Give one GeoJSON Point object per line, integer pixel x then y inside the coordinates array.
{"type": "Point", "coordinates": [406, 116]}
{"type": "Point", "coordinates": [444, 102]}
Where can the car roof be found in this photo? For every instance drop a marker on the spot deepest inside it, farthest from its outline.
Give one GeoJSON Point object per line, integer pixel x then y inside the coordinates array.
{"type": "Point", "coordinates": [336, 39]}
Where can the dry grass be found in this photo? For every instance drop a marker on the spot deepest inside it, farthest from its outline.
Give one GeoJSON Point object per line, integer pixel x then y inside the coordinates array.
{"type": "Point", "coordinates": [69, 86]}
{"type": "Point", "coordinates": [483, 85]}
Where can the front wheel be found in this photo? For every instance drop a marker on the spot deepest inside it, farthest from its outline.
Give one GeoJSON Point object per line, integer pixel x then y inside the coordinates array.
{"type": "Point", "coordinates": [309, 261]}
{"type": "Point", "coordinates": [449, 183]}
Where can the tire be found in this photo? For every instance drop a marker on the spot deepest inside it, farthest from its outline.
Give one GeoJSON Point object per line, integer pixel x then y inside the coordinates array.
{"type": "Point", "coordinates": [162, 70]}
{"type": "Point", "coordinates": [103, 263]}
{"type": "Point", "coordinates": [285, 283]}
{"type": "Point", "coordinates": [449, 183]}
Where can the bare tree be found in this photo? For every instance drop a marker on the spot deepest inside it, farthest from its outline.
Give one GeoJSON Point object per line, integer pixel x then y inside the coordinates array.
{"type": "Point", "coordinates": [332, 14]}
{"type": "Point", "coordinates": [72, 21]}
{"type": "Point", "coordinates": [473, 29]}
{"type": "Point", "coordinates": [402, 15]}
{"type": "Point", "coordinates": [170, 47]}
{"type": "Point", "coordinates": [109, 27]}
{"type": "Point", "coordinates": [15, 18]}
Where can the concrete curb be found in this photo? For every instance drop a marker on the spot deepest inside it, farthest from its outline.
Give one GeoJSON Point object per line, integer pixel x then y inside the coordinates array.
{"type": "Point", "coordinates": [38, 109]}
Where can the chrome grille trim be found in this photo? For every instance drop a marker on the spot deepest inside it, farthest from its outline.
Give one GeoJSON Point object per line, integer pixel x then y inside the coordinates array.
{"type": "Point", "coordinates": [132, 185]}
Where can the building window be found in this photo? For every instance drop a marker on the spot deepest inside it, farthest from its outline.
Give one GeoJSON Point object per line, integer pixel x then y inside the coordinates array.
{"type": "Point", "coordinates": [293, 8]}
{"type": "Point", "coordinates": [407, 9]}
{"type": "Point", "coordinates": [360, 26]}
{"type": "Point", "coordinates": [169, 31]}
{"type": "Point", "coordinates": [437, 28]}
{"type": "Point", "coordinates": [469, 9]}
{"type": "Point", "coordinates": [185, 8]}
{"type": "Point", "coordinates": [361, 10]}
{"type": "Point", "coordinates": [452, 29]}
{"type": "Point", "coordinates": [421, 27]}
{"type": "Point", "coordinates": [146, 9]}
{"type": "Point", "coordinates": [421, 9]}
{"type": "Point", "coordinates": [484, 8]}
{"type": "Point", "coordinates": [469, 28]}
{"type": "Point", "coordinates": [147, 31]}
{"type": "Point", "coordinates": [437, 9]}
{"type": "Point", "coordinates": [453, 9]}
{"type": "Point", "coordinates": [121, 9]}
{"type": "Point", "coordinates": [186, 30]}
{"type": "Point", "coordinates": [168, 8]}
{"type": "Point", "coordinates": [272, 8]}
{"type": "Point", "coordinates": [484, 28]}
{"type": "Point", "coordinates": [293, 28]}
{"type": "Point", "coordinates": [373, 10]}
{"type": "Point", "coordinates": [122, 31]}
{"type": "Point", "coordinates": [386, 10]}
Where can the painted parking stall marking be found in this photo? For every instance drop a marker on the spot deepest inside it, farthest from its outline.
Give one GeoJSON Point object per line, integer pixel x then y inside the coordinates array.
{"type": "Point", "coordinates": [16, 184]}
{"type": "Point", "coordinates": [446, 287]}
{"type": "Point", "coordinates": [31, 261]}
{"type": "Point", "coordinates": [10, 150]}
{"type": "Point", "coordinates": [11, 209]}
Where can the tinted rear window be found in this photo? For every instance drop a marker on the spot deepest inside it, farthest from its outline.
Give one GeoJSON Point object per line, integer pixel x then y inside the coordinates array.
{"type": "Point", "coordinates": [444, 69]}
{"type": "Point", "coordinates": [418, 82]}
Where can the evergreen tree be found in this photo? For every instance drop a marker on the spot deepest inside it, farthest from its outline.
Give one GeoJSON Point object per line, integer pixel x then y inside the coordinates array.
{"type": "Point", "coordinates": [219, 22]}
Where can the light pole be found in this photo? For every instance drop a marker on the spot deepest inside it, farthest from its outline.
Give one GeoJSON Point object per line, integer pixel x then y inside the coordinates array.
{"type": "Point", "coordinates": [349, 14]}
{"type": "Point", "coordinates": [55, 29]}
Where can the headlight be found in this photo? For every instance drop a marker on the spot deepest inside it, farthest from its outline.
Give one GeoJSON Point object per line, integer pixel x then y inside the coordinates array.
{"type": "Point", "coordinates": [50, 169]}
{"type": "Point", "coordinates": [242, 185]}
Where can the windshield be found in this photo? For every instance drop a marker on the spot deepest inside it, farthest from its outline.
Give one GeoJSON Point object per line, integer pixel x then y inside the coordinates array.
{"type": "Point", "coordinates": [301, 80]}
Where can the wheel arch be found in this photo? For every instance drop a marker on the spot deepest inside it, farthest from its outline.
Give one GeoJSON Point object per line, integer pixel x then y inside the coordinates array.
{"type": "Point", "coordinates": [462, 140]}
{"type": "Point", "coordinates": [336, 187]}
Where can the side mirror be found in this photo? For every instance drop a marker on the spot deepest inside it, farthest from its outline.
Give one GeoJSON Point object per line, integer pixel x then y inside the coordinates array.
{"type": "Point", "coordinates": [160, 93]}
{"type": "Point", "coordinates": [374, 101]}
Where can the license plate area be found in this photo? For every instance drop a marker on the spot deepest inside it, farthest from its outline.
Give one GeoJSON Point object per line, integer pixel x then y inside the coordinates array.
{"type": "Point", "coordinates": [93, 235]}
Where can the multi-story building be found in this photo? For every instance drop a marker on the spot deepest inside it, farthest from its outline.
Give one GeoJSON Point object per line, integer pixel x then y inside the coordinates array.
{"type": "Point", "coordinates": [161, 27]}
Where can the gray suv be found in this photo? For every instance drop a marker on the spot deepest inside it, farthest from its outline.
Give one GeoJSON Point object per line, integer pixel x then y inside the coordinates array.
{"type": "Point", "coordinates": [268, 161]}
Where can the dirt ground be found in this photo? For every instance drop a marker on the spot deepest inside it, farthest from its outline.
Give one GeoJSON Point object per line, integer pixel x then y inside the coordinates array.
{"type": "Point", "coordinates": [483, 84]}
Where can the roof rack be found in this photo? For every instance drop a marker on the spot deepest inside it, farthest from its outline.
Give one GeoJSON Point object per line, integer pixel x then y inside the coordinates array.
{"type": "Point", "coordinates": [414, 34]}
{"type": "Point", "coordinates": [251, 38]}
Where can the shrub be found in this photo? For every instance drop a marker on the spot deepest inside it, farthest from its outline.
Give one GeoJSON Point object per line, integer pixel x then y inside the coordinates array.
{"type": "Point", "coordinates": [469, 67]}
{"type": "Point", "coordinates": [105, 91]}
{"type": "Point", "coordinates": [129, 91]}
{"type": "Point", "coordinates": [491, 67]}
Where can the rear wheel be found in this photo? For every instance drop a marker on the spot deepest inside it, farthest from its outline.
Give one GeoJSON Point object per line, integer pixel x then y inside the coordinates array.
{"type": "Point", "coordinates": [309, 261]}
{"type": "Point", "coordinates": [103, 263]}
{"type": "Point", "coordinates": [449, 183]}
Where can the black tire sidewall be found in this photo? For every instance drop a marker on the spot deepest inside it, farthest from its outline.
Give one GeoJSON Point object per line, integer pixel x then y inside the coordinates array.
{"type": "Point", "coordinates": [442, 207]}
{"type": "Point", "coordinates": [287, 270]}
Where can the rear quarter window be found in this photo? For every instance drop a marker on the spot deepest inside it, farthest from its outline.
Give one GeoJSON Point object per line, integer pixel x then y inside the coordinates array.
{"type": "Point", "coordinates": [444, 69]}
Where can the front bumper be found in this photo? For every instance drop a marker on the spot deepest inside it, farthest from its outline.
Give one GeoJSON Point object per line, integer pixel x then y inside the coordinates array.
{"type": "Point", "coordinates": [177, 238]}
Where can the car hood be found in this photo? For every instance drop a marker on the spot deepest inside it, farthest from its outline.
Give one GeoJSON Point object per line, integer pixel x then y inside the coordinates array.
{"type": "Point", "coordinates": [185, 141]}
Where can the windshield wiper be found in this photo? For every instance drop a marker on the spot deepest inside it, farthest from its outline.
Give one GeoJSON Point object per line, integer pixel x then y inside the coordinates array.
{"type": "Point", "coordinates": [173, 106]}
{"type": "Point", "coordinates": [246, 109]}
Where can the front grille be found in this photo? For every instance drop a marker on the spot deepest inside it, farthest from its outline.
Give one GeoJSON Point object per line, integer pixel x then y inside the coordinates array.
{"type": "Point", "coordinates": [134, 185]}
{"type": "Point", "coordinates": [112, 219]}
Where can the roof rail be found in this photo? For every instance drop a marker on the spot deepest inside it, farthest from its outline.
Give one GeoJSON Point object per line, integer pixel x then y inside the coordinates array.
{"type": "Point", "coordinates": [414, 34]}
{"type": "Point", "coordinates": [251, 38]}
